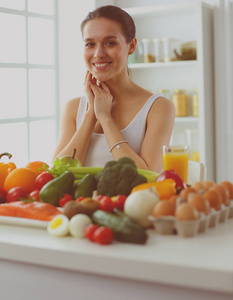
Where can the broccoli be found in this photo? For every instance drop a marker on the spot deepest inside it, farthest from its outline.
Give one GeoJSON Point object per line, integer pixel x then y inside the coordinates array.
{"type": "Point", "coordinates": [118, 177]}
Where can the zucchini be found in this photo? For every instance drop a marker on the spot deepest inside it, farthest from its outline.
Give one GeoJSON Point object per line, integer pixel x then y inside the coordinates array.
{"type": "Point", "coordinates": [124, 229]}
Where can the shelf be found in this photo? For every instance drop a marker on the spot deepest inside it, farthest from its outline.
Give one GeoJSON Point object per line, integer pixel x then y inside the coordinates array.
{"type": "Point", "coordinates": [163, 64]}
{"type": "Point", "coordinates": [186, 119]}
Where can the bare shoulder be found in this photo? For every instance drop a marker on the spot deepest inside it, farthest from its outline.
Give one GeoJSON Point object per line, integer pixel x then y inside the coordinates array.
{"type": "Point", "coordinates": [162, 107]}
{"type": "Point", "coordinates": [71, 107]}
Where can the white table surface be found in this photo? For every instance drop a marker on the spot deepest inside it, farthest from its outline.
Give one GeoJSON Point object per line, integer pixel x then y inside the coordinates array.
{"type": "Point", "coordinates": [202, 263]}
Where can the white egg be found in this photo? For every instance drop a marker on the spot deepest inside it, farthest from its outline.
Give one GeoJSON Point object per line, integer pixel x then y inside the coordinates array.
{"type": "Point", "coordinates": [78, 223]}
{"type": "Point", "coordinates": [59, 226]}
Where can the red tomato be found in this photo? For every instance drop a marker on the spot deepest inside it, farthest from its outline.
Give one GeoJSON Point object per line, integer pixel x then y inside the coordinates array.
{"type": "Point", "coordinates": [15, 194]}
{"type": "Point", "coordinates": [99, 197]}
{"type": "Point", "coordinates": [66, 198]}
{"type": "Point", "coordinates": [42, 179]}
{"type": "Point", "coordinates": [119, 202]}
{"type": "Point", "coordinates": [103, 235]}
{"type": "Point", "coordinates": [106, 204]}
{"type": "Point", "coordinates": [2, 193]}
{"type": "Point", "coordinates": [34, 195]}
{"type": "Point", "coordinates": [90, 230]}
{"type": "Point", "coordinates": [79, 199]}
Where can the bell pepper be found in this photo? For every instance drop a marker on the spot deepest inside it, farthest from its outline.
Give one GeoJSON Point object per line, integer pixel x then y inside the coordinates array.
{"type": "Point", "coordinates": [165, 188]}
{"type": "Point", "coordinates": [5, 168]}
{"type": "Point", "coordinates": [180, 184]}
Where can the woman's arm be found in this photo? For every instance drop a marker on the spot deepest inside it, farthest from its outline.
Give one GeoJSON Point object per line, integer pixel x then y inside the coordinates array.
{"type": "Point", "coordinates": [160, 123]}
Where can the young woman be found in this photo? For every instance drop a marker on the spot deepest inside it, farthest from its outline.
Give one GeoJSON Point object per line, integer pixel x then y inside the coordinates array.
{"type": "Point", "coordinates": [116, 117]}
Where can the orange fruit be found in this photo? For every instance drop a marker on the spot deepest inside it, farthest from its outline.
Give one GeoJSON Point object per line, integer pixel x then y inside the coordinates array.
{"type": "Point", "coordinates": [36, 166]}
{"type": "Point", "coordinates": [20, 177]}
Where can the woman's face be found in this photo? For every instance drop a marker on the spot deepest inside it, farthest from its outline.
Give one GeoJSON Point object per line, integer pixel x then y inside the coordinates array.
{"type": "Point", "coordinates": [105, 49]}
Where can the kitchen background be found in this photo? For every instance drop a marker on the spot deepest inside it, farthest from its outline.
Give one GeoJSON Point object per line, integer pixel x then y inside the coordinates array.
{"type": "Point", "coordinates": [41, 68]}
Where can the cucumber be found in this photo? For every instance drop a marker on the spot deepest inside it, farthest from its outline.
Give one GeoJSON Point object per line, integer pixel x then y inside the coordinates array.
{"type": "Point", "coordinates": [124, 229]}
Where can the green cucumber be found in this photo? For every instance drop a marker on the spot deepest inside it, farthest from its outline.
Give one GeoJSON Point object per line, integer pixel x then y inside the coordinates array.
{"type": "Point", "coordinates": [124, 229]}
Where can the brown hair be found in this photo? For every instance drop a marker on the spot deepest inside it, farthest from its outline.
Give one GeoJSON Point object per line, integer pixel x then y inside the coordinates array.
{"type": "Point", "coordinates": [116, 14]}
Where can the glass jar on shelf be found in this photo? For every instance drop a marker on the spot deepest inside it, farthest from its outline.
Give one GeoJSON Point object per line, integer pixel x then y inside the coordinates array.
{"type": "Point", "coordinates": [158, 50]}
{"type": "Point", "coordinates": [165, 92]}
{"type": "Point", "coordinates": [180, 100]}
{"type": "Point", "coordinates": [148, 50]}
{"type": "Point", "coordinates": [169, 47]}
{"type": "Point", "coordinates": [195, 104]}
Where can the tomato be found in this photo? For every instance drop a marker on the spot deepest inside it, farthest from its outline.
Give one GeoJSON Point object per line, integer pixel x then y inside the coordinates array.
{"type": "Point", "coordinates": [2, 193]}
{"type": "Point", "coordinates": [42, 179]}
{"type": "Point", "coordinates": [79, 199]}
{"type": "Point", "coordinates": [99, 197]}
{"type": "Point", "coordinates": [15, 194]}
{"type": "Point", "coordinates": [103, 235]}
{"type": "Point", "coordinates": [90, 230]}
{"type": "Point", "coordinates": [66, 198]}
{"type": "Point", "coordinates": [106, 204]}
{"type": "Point", "coordinates": [119, 202]}
{"type": "Point", "coordinates": [34, 195]}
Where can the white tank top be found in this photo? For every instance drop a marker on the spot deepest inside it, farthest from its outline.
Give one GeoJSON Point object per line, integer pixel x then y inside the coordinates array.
{"type": "Point", "coordinates": [98, 152]}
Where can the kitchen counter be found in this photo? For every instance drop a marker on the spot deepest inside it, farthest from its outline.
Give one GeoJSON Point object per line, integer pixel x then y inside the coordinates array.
{"type": "Point", "coordinates": [168, 266]}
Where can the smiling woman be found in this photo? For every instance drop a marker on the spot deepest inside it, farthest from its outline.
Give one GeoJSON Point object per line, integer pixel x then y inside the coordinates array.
{"type": "Point", "coordinates": [116, 117]}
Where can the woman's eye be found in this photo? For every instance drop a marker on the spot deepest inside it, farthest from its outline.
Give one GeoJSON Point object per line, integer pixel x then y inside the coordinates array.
{"type": "Point", "coordinates": [88, 45]}
{"type": "Point", "coordinates": [111, 43]}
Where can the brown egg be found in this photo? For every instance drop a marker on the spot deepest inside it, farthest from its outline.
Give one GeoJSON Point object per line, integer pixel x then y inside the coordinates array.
{"type": "Point", "coordinates": [198, 186]}
{"type": "Point", "coordinates": [173, 199]}
{"type": "Point", "coordinates": [208, 184]}
{"type": "Point", "coordinates": [199, 202]}
{"type": "Point", "coordinates": [185, 192]}
{"type": "Point", "coordinates": [229, 186]}
{"type": "Point", "coordinates": [164, 208]}
{"type": "Point", "coordinates": [214, 198]}
{"type": "Point", "coordinates": [224, 193]}
{"type": "Point", "coordinates": [185, 211]}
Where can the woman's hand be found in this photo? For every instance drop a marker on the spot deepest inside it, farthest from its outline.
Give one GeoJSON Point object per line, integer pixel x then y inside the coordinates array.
{"type": "Point", "coordinates": [90, 96]}
{"type": "Point", "coordinates": [102, 100]}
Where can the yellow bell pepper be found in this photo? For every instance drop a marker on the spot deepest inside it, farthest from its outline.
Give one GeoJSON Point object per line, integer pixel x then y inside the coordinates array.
{"type": "Point", "coordinates": [5, 168]}
{"type": "Point", "coordinates": [165, 188]}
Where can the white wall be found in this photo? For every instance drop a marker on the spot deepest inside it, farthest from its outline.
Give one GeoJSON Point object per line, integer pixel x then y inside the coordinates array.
{"type": "Point", "coordinates": [72, 68]}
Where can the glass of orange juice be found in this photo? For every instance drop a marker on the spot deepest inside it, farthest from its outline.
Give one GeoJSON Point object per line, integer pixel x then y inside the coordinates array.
{"type": "Point", "coordinates": [176, 158]}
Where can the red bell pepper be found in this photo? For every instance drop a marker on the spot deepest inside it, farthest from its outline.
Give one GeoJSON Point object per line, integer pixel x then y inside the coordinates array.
{"type": "Point", "coordinates": [180, 184]}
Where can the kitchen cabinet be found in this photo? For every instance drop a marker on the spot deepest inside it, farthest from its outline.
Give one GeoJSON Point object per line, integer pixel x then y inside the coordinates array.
{"type": "Point", "coordinates": [185, 22]}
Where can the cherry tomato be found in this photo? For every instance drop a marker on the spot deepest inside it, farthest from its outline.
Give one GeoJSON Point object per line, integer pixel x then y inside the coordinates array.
{"type": "Point", "coordinates": [106, 204]}
{"type": "Point", "coordinates": [66, 198]}
{"type": "Point", "coordinates": [34, 195]}
{"type": "Point", "coordinates": [15, 194]}
{"type": "Point", "coordinates": [2, 193]}
{"type": "Point", "coordinates": [119, 202]}
{"type": "Point", "coordinates": [42, 179]}
{"type": "Point", "coordinates": [103, 235]}
{"type": "Point", "coordinates": [2, 199]}
{"type": "Point", "coordinates": [79, 199]}
{"type": "Point", "coordinates": [99, 197]}
{"type": "Point", "coordinates": [90, 230]}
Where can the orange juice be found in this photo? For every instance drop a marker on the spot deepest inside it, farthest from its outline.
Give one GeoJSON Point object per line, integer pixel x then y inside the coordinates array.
{"type": "Point", "coordinates": [177, 161]}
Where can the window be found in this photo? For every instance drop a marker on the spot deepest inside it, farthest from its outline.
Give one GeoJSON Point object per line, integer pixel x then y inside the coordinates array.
{"type": "Point", "coordinates": [29, 112]}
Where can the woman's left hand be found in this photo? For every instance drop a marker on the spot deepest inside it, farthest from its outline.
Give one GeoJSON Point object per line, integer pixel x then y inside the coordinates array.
{"type": "Point", "coordinates": [102, 100]}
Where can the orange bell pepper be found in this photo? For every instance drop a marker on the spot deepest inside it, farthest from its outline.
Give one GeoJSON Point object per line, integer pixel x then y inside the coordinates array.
{"type": "Point", "coordinates": [5, 168]}
{"type": "Point", "coordinates": [165, 188]}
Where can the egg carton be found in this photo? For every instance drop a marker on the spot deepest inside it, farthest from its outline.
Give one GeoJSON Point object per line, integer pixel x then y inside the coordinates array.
{"type": "Point", "coordinates": [166, 225]}
{"type": "Point", "coordinates": [230, 214]}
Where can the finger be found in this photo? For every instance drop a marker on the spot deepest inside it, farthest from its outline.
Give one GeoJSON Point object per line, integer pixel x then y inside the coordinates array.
{"type": "Point", "coordinates": [105, 87]}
